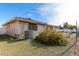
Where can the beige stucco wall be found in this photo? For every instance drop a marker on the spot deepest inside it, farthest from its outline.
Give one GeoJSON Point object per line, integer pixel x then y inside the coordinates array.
{"type": "Point", "coordinates": [24, 27]}
{"type": "Point", "coordinates": [12, 29]}
{"type": "Point", "coordinates": [19, 28]}
{"type": "Point", "coordinates": [40, 29]}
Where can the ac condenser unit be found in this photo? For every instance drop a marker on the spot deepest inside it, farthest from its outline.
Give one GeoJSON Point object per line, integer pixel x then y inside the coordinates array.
{"type": "Point", "coordinates": [29, 34]}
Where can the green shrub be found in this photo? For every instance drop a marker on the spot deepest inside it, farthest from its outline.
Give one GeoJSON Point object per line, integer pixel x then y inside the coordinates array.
{"type": "Point", "coordinates": [51, 37]}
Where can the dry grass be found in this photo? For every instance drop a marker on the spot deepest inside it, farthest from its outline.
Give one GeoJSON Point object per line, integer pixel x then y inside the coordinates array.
{"type": "Point", "coordinates": [28, 48]}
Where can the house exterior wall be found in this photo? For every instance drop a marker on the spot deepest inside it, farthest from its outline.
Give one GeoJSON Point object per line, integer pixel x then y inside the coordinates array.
{"type": "Point", "coordinates": [17, 28]}
{"type": "Point", "coordinates": [23, 26]}
{"type": "Point", "coordinates": [40, 28]}
{"type": "Point", "coordinates": [12, 28]}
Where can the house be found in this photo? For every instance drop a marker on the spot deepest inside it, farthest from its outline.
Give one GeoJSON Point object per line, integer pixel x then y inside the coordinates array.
{"type": "Point", "coordinates": [25, 27]}
{"type": "Point", "coordinates": [2, 30]}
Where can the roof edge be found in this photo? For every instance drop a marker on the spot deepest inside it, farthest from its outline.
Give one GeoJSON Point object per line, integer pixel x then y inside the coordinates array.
{"type": "Point", "coordinates": [19, 18]}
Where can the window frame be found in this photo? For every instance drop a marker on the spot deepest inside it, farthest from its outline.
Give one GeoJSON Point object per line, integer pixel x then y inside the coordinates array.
{"type": "Point", "coordinates": [32, 27]}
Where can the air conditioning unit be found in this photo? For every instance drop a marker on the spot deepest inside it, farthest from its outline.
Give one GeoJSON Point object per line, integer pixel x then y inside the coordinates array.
{"type": "Point", "coordinates": [29, 34]}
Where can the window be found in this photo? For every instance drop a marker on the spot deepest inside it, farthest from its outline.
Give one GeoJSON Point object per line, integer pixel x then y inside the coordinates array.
{"type": "Point", "coordinates": [32, 26]}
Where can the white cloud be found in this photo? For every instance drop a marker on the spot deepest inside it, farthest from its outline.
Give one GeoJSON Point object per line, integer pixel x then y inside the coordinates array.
{"type": "Point", "coordinates": [48, 12]}
{"type": "Point", "coordinates": [66, 12]}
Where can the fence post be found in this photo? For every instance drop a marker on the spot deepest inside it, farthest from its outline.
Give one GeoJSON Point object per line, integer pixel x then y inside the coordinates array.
{"type": "Point", "coordinates": [75, 41]}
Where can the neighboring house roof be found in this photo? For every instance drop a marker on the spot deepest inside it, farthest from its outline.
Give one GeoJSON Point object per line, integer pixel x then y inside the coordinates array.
{"type": "Point", "coordinates": [29, 20]}
{"type": "Point", "coordinates": [56, 26]}
{"type": "Point", "coordinates": [53, 26]}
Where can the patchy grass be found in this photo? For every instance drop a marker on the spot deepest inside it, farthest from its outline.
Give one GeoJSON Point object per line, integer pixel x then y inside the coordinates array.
{"type": "Point", "coordinates": [28, 48]}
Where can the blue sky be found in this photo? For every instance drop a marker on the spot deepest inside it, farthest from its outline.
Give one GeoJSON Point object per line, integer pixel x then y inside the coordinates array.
{"type": "Point", "coordinates": [52, 13]}
{"type": "Point", "coordinates": [8, 11]}
{"type": "Point", "coordinates": [26, 10]}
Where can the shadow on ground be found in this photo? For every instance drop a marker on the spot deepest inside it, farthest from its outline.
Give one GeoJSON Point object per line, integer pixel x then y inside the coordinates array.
{"type": "Point", "coordinates": [4, 38]}
{"type": "Point", "coordinates": [9, 39]}
{"type": "Point", "coordinates": [39, 45]}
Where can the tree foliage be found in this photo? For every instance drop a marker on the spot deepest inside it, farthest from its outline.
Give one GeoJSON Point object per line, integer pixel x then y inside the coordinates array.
{"type": "Point", "coordinates": [67, 26]}
{"type": "Point", "coordinates": [60, 27]}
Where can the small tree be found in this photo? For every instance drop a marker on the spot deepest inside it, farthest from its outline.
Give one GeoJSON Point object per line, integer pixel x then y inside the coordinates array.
{"type": "Point", "coordinates": [60, 27]}
{"type": "Point", "coordinates": [66, 25]}
{"type": "Point", "coordinates": [72, 27]}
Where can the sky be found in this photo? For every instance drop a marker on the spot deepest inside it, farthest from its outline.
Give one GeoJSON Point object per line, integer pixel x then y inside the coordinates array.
{"type": "Point", "coordinates": [51, 13]}
{"type": "Point", "coordinates": [8, 11]}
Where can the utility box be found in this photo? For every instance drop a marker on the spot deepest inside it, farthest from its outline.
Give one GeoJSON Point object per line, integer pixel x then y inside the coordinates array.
{"type": "Point", "coordinates": [29, 34]}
